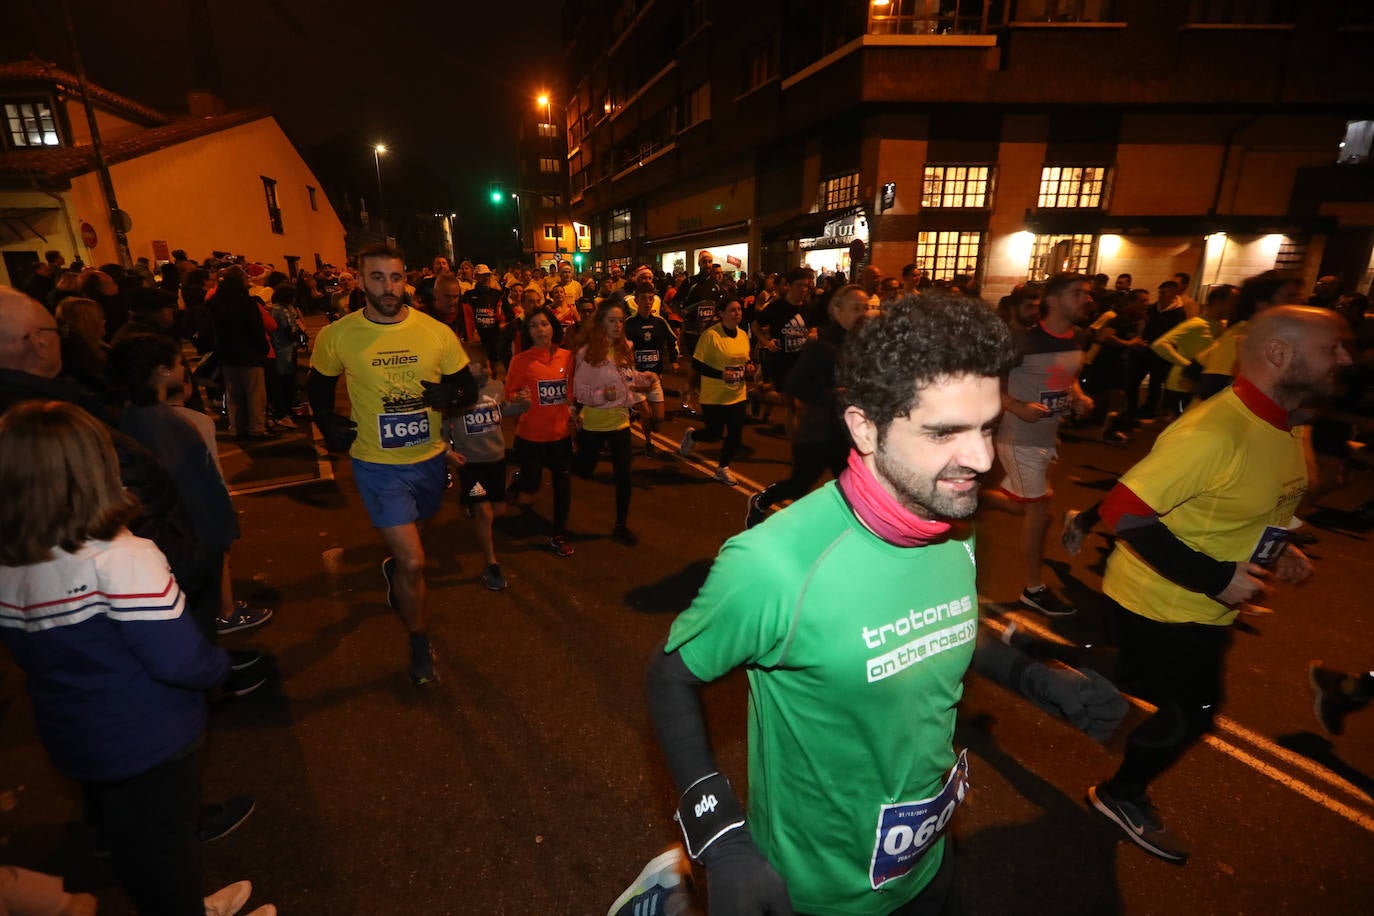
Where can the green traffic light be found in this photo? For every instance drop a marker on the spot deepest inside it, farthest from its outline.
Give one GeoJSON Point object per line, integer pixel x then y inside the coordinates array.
{"type": "Point", "coordinates": [496, 197]}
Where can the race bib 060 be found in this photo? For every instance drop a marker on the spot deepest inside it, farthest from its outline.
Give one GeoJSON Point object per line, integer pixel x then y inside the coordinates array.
{"type": "Point", "coordinates": [553, 392]}
{"type": "Point", "coordinates": [399, 430]}
{"type": "Point", "coordinates": [907, 830]}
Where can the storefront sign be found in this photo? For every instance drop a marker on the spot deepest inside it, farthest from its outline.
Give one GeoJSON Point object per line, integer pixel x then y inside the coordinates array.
{"type": "Point", "coordinates": [161, 253]}
{"type": "Point", "coordinates": [839, 233]}
{"type": "Point", "coordinates": [889, 198]}
{"type": "Point", "coordinates": [733, 261]}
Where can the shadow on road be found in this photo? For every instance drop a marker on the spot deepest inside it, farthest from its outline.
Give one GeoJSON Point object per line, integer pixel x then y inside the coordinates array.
{"type": "Point", "coordinates": [1319, 750]}
{"type": "Point", "coordinates": [671, 594]}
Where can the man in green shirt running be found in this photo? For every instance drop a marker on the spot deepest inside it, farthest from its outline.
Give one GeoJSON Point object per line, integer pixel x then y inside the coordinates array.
{"type": "Point", "coordinates": [854, 613]}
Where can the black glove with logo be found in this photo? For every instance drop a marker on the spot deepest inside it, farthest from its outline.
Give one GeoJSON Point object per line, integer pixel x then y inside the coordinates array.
{"type": "Point", "coordinates": [1084, 697]}
{"type": "Point", "coordinates": [442, 395]}
{"type": "Point", "coordinates": [338, 431]}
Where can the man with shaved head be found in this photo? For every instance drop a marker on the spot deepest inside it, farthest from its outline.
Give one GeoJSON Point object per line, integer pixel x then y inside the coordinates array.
{"type": "Point", "coordinates": [1201, 526]}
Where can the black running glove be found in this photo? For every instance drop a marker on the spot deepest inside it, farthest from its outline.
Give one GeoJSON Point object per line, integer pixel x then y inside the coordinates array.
{"type": "Point", "coordinates": [338, 431]}
{"type": "Point", "coordinates": [740, 881]}
{"type": "Point", "coordinates": [1087, 699]}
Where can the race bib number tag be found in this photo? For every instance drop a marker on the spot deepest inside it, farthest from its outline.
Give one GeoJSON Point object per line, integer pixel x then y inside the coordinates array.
{"type": "Point", "coordinates": [482, 419]}
{"type": "Point", "coordinates": [732, 375]}
{"type": "Point", "coordinates": [1271, 544]}
{"type": "Point", "coordinates": [646, 360]}
{"type": "Point", "coordinates": [1056, 401]}
{"type": "Point", "coordinates": [907, 830]}
{"type": "Point", "coordinates": [706, 315]}
{"type": "Point", "coordinates": [553, 392]}
{"type": "Point", "coordinates": [484, 317]}
{"type": "Point", "coordinates": [399, 430]}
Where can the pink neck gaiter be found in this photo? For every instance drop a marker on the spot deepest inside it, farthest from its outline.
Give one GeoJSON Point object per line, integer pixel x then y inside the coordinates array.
{"type": "Point", "coordinates": [880, 511]}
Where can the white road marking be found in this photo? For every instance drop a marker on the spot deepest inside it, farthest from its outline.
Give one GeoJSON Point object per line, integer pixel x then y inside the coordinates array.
{"type": "Point", "coordinates": [1339, 808]}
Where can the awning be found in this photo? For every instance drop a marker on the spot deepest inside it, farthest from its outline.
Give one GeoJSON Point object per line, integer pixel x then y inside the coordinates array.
{"type": "Point", "coordinates": [806, 225]}
{"type": "Point", "coordinates": [1072, 222]}
{"type": "Point", "coordinates": [20, 221]}
{"type": "Point", "coordinates": [697, 234]}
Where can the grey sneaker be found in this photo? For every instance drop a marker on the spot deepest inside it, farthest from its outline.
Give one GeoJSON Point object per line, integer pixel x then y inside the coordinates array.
{"type": "Point", "coordinates": [1071, 536]}
{"type": "Point", "coordinates": [492, 578]}
{"type": "Point", "coordinates": [1330, 701]}
{"type": "Point", "coordinates": [663, 886]}
{"type": "Point", "coordinates": [1046, 602]}
{"type": "Point", "coordinates": [1140, 822]}
{"type": "Point", "coordinates": [685, 448]}
{"type": "Point", "coordinates": [724, 476]}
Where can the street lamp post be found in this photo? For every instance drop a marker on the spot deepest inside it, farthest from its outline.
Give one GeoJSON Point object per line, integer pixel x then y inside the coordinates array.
{"type": "Point", "coordinates": [377, 152]}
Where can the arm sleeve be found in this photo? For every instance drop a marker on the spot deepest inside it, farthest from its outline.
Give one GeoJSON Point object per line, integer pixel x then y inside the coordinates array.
{"type": "Point", "coordinates": [679, 722]}
{"type": "Point", "coordinates": [1133, 521]}
{"type": "Point", "coordinates": [670, 340]}
{"type": "Point", "coordinates": [998, 661]}
{"type": "Point", "coordinates": [320, 389]}
{"type": "Point", "coordinates": [704, 369]}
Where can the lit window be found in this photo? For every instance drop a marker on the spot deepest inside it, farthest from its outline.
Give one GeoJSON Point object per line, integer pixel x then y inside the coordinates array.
{"type": "Point", "coordinates": [552, 232]}
{"type": "Point", "coordinates": [929, 17]}
{"type": "Point", "coordinates": [698, 107]}
{"type": "Point", "coordinates": [548, 130]}
{"type": "Point", "coordinates": [620, 226]}
{"type": "Point", "coordinates": [269, 187]}
{"type": "Point", "coordinates": [582, 229]}
{"type": "Point", "coordinates": [840, 191]}
{"type": "Point", "coordinates": [1055, 254]}
{"type": "Point", "coordinates": [943, 255]}
{"type": "Point", "coordinates": [31, 124]}
{"type": "Point", "coordinates": [762, 64]}
{"type": "Point", "coordinates": [548, 166]}
{"type": "Point", "coordinates": [956, 186]}
{"type": "Point", "coordinates": [1071, 186]}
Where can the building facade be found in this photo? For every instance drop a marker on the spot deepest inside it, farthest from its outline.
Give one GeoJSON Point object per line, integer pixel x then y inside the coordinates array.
{"type": "Point", "coordinates": [217, 180]}
{"type": "Point", "coordinates": [548, 233]}
{"type": "Point", "coordinates": [1005, 139]}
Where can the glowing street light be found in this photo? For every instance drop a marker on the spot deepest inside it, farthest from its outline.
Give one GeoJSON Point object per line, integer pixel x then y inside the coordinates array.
{"type": "Point", "coordinates": [377, 152]}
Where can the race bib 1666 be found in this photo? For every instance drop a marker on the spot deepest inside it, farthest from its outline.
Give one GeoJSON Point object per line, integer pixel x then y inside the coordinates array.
{"type": "Point", "coordinates": [399, 430]}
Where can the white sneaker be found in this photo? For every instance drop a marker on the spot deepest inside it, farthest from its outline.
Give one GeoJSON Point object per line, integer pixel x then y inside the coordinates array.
{"type": "Point", "coordinates": [228, 900]}
{"type": "Point", "coordinates": [724, 476]}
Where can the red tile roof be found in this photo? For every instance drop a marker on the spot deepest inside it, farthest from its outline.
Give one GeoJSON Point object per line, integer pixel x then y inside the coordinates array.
{"type": "Point", "coordinates": [50, 76]}
{"type": "Point", "coordinates": [59, 164]}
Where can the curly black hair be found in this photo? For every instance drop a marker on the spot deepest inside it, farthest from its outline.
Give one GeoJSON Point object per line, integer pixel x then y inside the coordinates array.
{"type": "Point", "coordinates": [916, 342]}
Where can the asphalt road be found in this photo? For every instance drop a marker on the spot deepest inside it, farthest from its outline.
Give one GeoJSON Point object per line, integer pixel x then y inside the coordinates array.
{"type": "Point", "coordinates": [527, 781]}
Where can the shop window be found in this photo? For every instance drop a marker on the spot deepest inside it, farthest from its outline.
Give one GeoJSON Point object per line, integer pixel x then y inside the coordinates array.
{"type": "Point", "coordinates": [1072, 186]}
{"type": "Point", "coordinates": [944, 255]}
{"type": "Point", "coordinates": [1242, 12]}
{"type": "Point", "coordinates": [698, 107]}
{"type": "Point", "coordinates": [951, 186]}
{"type": "Point", "coordinates": [31, 124]}
{"type": "Point", "coordinates": [269, 187]}
{"type": "Point", "coordinates": [620, 226]}
{"type": "Point", "coordinates": [1054, 254]}
{"type": "Point", "coordinates": [1354, 149]}
{"type": "Point", "coordinates": [1291, 255]}
{"type": "Point", "coordinates": [840, 192]}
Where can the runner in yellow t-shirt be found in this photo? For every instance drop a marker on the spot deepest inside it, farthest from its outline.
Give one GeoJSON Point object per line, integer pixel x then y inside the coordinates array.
{"type": "Point", "coordinates": [1199, 522]}
{"type": "Point", "coordinates": [403, 370]}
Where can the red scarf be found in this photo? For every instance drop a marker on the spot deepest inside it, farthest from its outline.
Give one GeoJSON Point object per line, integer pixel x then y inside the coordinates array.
{"type": "Point", "coordinates": [880, 511]}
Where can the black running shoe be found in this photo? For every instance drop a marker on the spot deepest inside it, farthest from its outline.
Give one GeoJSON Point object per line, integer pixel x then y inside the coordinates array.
{"type": "Point", "coordinates": [1046, 602]}
{"type": "Point", "coordinates": [1140, 822]}
{"type": "Point", "coordinates": [422, 658]}
{"type": "Point", "coordinates": [756, 513]}
{"type": "Point", "coordinates": [560, 546]}
{"type": "Point", "coordinates": [218, 821]}
{"type": "Point", "coordinates": [1330, 701]}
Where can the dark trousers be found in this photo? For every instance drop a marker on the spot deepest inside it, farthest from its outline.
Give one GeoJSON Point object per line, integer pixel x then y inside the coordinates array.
{"type": "Point", "coordinates": [491, 344]}
{"type": "Point", "coordinates": [532, 459]}
{"type": "Point", "coordinates": [809, 461]}
{"type": "Point", "coordinates": [1157, 368]}
{"type": "Point", "coordinates": [723, 421]}
{"type": "Point", "coordinates": [150, 823]}
{"type": "Point", "coordinates": [1180, 667]}
{"type": "Point", "coordinates": [589, 445]}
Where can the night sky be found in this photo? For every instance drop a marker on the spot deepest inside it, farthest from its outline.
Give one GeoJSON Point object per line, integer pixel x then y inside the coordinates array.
{"type": "Point", "coordinates": [440, 83]}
